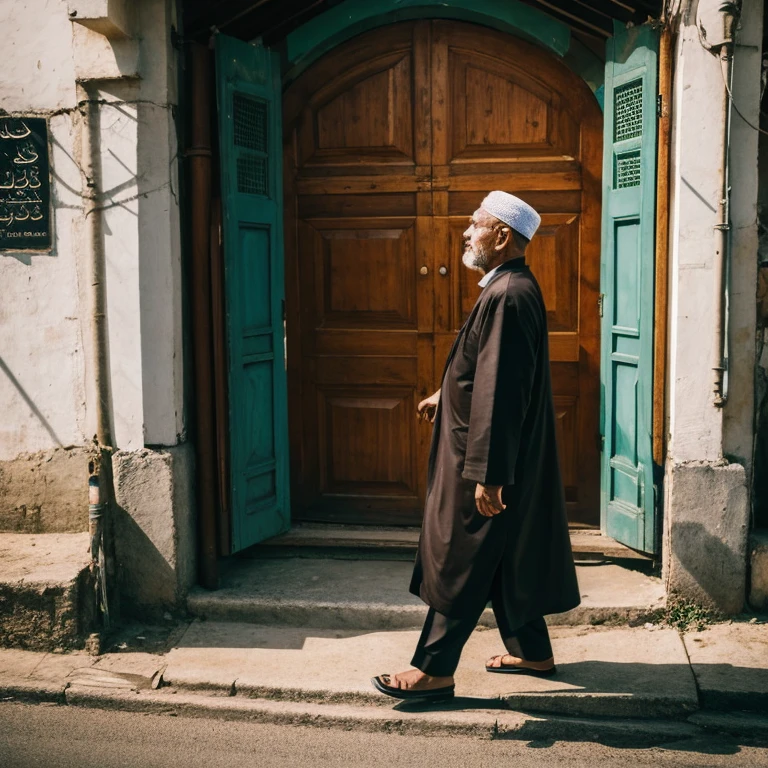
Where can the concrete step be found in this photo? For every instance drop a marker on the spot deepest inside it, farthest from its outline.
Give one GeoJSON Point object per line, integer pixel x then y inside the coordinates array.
{"type": "Point", "coordinates": [373, 594]}
{"type": "Point", "coordinates": [620, 672]}
{"type": "Point", "coordinates": [46, 591]}
{"type": "Point", "coordinates": [328, 540]}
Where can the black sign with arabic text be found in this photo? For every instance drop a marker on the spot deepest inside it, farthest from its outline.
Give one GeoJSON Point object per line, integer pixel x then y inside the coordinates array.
{"type": "Point", "coordinates": [25, 186]}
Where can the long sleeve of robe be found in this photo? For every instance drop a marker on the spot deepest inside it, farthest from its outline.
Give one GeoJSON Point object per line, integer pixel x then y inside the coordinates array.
{"type": "Point", "coordinates": [506, 361]}
{"type": "Point", "coordinates": [495, 425]}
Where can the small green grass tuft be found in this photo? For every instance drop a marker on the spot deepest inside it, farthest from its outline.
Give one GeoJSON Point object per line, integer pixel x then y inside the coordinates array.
{"type": "Point", "coordinates": [687, 615]}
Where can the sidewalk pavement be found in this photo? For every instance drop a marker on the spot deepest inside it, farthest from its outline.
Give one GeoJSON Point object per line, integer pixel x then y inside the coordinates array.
{"type": "Point", "coordinates": [647, 684]}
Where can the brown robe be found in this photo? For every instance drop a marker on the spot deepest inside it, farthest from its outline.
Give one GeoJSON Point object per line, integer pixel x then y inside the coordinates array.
{"type": "Point", "coordinates": [495, 425]}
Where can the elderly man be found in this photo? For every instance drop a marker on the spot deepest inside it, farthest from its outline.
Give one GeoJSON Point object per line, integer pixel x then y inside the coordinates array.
{"type": "Point", "coordinates": [495, 527]}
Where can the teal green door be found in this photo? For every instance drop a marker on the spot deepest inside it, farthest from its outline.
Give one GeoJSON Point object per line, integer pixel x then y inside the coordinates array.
{"type": "Point", "coordinates": [627, 284]}
{"type": "Point", "coordinates": [249, 109]}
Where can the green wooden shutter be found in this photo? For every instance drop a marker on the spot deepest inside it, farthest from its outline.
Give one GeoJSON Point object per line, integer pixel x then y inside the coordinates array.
{"type": "Point", "coordinates": [627, 278]}
{"type": "Point", "coordinates": [249, 110]}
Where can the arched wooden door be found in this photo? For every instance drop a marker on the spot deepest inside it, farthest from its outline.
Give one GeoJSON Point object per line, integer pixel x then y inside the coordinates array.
{"type": "Point", "coordinates": [391, 141]}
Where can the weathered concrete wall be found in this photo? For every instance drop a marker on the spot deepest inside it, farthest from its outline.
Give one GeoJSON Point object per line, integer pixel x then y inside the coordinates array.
{"type": "Point", "coordinates": [709, 459]}
{"type": "Point", "coordinates": [706, 534]}
{"type": "Point", "coordinates": [47, 592]}
{"type": "Point", "coordinates": [154, 526]}
{"type": "Point", "coordinates": [45, 492]}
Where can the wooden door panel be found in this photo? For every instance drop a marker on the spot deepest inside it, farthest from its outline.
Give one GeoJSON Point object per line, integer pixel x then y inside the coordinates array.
{"type": "Point", "coordinates": [351, 121]}
{"type": "Point", "coordinates": [364, 273]}
{"type": "Point", "coordinates": [553, 256]}
{"type": "Point", "coordinates": [368, 445]}
{"type": "Point", "coordinates": [503, 111]}
{"type": "Point", "coordinates": [360, 274]}
{"type": "Point", "coordinates": [554, 259]}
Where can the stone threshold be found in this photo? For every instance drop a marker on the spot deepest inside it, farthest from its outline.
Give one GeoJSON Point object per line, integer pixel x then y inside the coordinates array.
{"type": "Point", "coordinates": [586, 543]}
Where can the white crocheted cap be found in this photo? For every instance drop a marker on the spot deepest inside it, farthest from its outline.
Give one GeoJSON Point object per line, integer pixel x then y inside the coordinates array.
{"type": "Point", "coordinates": [512, 211]}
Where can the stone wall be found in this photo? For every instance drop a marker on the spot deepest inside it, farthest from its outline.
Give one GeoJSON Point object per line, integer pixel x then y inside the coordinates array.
{"type": "Point", "coordinates": [154, 526]}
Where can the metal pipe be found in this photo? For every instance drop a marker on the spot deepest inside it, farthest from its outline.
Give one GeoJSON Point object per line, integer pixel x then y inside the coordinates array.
{"type": "Point", "coordinates": [723, 227]}
{"type": "Point", "coordinates": [98, 269]}
{"type": "Point", "coordinates": [199, 154]}
{"type": "Point", "coordinates": [100, 486]}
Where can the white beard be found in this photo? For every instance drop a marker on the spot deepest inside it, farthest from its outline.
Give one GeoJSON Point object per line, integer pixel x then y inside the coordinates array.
{"type": "Point", "coordinates": [475, 261]}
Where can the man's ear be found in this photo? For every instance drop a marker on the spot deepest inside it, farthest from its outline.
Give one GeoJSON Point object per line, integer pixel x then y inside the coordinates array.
{"type": "Point", "coordinates": [503, 238]}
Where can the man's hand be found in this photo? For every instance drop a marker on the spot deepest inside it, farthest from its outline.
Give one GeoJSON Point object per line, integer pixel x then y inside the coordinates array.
{"type": "Point", "coordinates": [428, 408]}
{"type": "Point", "coordinates": [488, 500]}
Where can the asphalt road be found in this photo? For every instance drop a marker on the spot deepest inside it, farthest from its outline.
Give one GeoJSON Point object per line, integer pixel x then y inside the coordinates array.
{"type": "Point", "coordinates": [51, 736]}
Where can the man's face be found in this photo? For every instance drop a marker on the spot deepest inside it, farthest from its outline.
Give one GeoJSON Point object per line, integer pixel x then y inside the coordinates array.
{"type": "Point", "coordinates": [479, 239]}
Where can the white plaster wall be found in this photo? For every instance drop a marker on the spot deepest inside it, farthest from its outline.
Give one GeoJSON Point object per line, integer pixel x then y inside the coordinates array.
{"type": "Point", "coordinates": [119, 140]}
{"type": "Point", "coordinates": [698, 430]}
{"type": "Point", "coordinates": [159, 235]}
{"type": "Point", "coordinates": [738, 415]}
{"type": "Point", "coordinates": [42, 350]}
{"type": "Point", "coordinates": [45, 370]}
{"type": "Point", "coordinates": [38, 71]}
{"type": "Point", "coordinates": [695, 426]}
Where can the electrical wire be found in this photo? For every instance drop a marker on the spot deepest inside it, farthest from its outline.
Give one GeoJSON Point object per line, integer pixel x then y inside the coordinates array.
{"type": "Point", "coordinates": [737, 110]}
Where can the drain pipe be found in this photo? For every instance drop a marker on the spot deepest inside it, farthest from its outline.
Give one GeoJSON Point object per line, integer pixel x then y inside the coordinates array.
{"type": "Point", "coordinates": [100, 490]}
{"type": "Point", "coordinates": [716, 23]}
{"type": "Point", "coordinates": [94, 241]}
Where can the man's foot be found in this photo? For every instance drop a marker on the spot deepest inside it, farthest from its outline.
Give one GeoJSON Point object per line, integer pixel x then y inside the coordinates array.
{"type": "Point", "coordinates": [506, 663]}
{"type": "Point", "coordinates": [414, 684]}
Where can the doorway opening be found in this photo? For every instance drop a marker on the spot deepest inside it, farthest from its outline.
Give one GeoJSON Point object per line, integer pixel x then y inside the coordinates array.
{"type": "Point", "coordinates": [391, 140]}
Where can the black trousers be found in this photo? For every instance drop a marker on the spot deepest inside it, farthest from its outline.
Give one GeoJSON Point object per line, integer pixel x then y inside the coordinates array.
{"type": "Point", "coordinates": [442, 639]}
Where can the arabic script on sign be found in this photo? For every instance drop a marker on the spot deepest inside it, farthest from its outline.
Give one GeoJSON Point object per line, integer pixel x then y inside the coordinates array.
{"type": "Point", "coordinates": [24, 184]}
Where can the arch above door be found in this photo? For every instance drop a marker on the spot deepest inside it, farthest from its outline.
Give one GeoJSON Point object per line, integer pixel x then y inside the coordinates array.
{"type": "Point", "coordinates": [305, 45]}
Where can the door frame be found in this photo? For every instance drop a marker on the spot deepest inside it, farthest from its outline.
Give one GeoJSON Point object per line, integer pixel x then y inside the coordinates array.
{"type": "Point", "coordinates": [292, 300]}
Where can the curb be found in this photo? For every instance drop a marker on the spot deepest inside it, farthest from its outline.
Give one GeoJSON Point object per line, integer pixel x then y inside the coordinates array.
{"type": "Point", "coordinates": [632, 706]}
{"type": "Point", "coordinates": [485, 724]}
{"type": "Point", "coordinates": [490, 723]}
{"type": "Point", "coordinates": [489, 720]}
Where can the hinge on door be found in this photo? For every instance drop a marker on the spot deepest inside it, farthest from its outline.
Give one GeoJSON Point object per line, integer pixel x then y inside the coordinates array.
{"type": "Point", "coordinates": [659, 105]}
{"type": "Point", "coordinates": [601, 441]}
{"type": "Point", "coordinates": [600, 298]}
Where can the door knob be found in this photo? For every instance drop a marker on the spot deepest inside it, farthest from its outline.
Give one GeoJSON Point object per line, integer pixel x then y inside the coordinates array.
{"type": "Point", "coordinates": [424, 270]}
{"type": "Point", "coordinates": [443, 270]}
